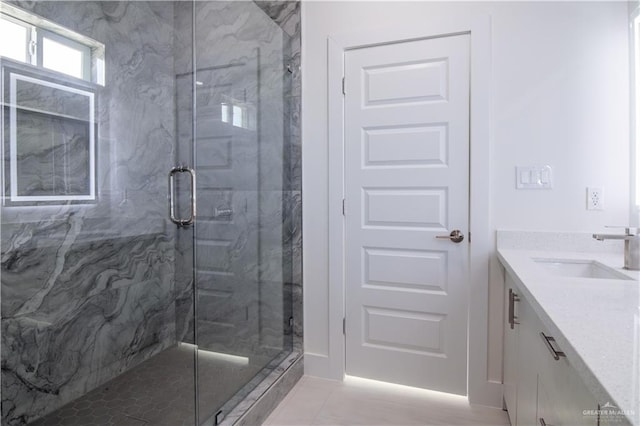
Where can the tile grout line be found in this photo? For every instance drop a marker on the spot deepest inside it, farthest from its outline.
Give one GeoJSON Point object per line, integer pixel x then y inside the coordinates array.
{"type": "Point", "coordinates": [285, 402]}
{"type": "Point", "coordinates": [324, 403]}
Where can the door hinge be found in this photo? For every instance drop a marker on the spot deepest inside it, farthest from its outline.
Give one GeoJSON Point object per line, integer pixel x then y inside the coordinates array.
{"type": "Point", "coordinates": [469, 237]}
{"type": "Point", "coordinates": [343, 207]}
{"type": "Point", "coordinates": [343, 91]}
{"type": "Point", "coordinates": [344, 326]}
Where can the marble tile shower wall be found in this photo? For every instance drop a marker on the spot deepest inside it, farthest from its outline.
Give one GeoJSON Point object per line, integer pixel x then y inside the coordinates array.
{"type": "Point", "coordinates": [87, 291]}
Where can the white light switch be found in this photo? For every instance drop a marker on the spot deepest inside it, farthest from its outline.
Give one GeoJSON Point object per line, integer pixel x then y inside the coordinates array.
{"type": "Point", "coordinates": [545, 176]}
{"type": "Point", "coordinates": [534, 177]}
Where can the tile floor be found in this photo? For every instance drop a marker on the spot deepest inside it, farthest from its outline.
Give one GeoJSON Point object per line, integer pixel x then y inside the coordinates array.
{"type": "Point", "coordinates": [159, 392]}
{"type": "Point", "coordinates": [356, 401]}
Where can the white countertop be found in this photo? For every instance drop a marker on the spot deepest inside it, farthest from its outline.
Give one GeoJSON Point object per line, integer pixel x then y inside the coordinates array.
{"type": "Point", "coordinates": [595, 321]}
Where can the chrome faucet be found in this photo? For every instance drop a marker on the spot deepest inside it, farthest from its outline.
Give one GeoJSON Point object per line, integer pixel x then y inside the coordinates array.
{"type": "Point", "coordinates": [631, 246]}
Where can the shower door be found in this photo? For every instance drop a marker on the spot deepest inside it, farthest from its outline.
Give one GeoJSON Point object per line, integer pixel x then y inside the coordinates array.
{"type": "Point", "coordinates": [237, 151]}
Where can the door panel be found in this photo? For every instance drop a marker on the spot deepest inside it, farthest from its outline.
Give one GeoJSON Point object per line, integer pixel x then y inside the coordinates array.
{"type": "Point", "coordinates": [406, 161]}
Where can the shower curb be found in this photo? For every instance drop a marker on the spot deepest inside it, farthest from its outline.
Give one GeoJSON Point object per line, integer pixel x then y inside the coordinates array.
{"type": "Point", "coordinates": [257, 406]}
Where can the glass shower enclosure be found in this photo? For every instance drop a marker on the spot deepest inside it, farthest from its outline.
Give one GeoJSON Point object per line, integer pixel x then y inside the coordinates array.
{"type": "Point", "coordinates": [145, 243]}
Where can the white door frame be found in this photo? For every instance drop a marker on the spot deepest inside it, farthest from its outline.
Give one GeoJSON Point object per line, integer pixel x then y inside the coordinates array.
{"type": "Point", "coordinates": [480, 389]}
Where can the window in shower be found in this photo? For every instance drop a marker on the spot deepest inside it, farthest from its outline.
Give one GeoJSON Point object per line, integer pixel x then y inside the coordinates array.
{"type": "Point", "coordinates": [32, 40]}
{"type": "Point", "coordinates": [16, 37]}
{"type": "Point", "coordinates": [48, 96]}
{"type": "Point", "coordinates": [64, 55]}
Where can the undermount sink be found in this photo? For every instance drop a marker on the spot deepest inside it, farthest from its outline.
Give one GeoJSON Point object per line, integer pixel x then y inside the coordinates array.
{"type": "Point", "coordinates": [575, 268]}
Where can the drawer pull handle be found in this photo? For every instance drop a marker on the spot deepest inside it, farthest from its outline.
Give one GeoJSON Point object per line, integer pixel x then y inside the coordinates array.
{"type": "Point", "coordinates": [547, 340]}
{"type": "Point", "coordinates": [543, 423]}
{"type": "Point", "coordinates": [513, 298]}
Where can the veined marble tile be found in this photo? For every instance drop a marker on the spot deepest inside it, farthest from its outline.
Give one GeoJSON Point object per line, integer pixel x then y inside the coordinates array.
{"type": "Point", "coordinates": [284, 13]}
{"type": "Point", "coordinates": [104, 312]}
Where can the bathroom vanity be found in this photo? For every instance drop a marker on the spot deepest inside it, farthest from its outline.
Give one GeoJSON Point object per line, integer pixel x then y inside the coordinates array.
{"type": "Point", "coordinates": [571, 337]}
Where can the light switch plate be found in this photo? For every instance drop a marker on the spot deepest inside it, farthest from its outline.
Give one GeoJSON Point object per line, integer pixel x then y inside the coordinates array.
{"type": "Point", "coordinates": [534, 177]}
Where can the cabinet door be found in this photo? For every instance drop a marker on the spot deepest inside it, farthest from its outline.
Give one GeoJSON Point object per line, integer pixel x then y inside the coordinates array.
{"type": "Point", "coordinates": [536, 385]}
{"type": "Point", "coordinates": [510, 355]}
{"type": "Point", "coordinates": [567, 395]}
{"type": "Point", "coordinates": [546, 412]}
{"type": "Point", "coordinates": [529, 354]}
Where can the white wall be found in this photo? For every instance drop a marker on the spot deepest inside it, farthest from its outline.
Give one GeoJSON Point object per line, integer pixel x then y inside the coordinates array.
{"type": "Point", "coordinates": [560, 97]}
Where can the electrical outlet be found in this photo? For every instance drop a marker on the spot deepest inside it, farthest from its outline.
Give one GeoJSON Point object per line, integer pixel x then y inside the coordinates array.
{"type": "Point", "coordinates": [595, 198]}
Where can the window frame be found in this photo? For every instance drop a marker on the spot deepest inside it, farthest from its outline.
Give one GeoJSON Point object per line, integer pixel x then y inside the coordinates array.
{"type": "Point", "coordinates": [30, 57]}
{"type": "Point", "coordinates": [85, 50]}
{"type": "Point", "coordinates": [92, 51]}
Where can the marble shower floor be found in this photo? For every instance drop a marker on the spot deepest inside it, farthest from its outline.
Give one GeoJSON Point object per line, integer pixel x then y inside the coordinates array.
{"type": "Point", "coordinates": [158, 392]}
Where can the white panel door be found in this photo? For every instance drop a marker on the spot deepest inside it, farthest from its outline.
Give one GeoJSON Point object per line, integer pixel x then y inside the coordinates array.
{"type": "Point", "coordinates": [406, 183]}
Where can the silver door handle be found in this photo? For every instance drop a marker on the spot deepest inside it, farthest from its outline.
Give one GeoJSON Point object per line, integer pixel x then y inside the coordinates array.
{"type": "Point", "coordinates": [456, 236]}
{"type": "Point", "coordinates": [192, 197]}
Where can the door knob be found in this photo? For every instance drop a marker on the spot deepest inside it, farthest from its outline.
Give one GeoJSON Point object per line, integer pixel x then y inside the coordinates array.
{"type": "Point", "coordinates": [456, 236]}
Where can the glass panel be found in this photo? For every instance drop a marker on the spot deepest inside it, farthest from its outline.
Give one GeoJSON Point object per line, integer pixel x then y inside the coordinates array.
{"type": "Point", "coordinates": [14, 40]}
{"type": "Point", "coordinates": [62, 58]}
{"type": "Point", "coordinates": [96, 320]}
{"type": "Point", "coordinates": [239, 254]}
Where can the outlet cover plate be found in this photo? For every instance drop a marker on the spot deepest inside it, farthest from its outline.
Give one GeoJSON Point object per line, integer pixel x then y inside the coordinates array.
{"type": "Point", "coordinates": [595, 198]}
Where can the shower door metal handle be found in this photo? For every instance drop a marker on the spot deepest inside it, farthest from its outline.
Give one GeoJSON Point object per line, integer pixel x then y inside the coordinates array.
{"type": "Point", "coordinates": [192, 196]}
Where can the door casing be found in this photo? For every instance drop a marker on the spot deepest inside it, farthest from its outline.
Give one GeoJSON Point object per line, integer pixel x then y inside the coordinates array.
{"type": "Point", "coordinates": [480, 389]}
